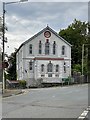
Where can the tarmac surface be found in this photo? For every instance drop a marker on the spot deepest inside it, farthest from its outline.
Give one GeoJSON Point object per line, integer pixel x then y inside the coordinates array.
{"type": "Point", "coordinates": [55, 102]}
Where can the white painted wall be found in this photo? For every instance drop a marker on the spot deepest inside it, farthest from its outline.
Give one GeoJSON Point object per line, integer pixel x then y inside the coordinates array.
{"type": "Point", "coordinates": [53, 38]}
{"type": "Point", "coordinates": [23, 58]}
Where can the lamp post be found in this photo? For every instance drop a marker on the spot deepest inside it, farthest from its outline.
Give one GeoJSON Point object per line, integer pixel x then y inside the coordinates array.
{"type": "Point", "coordinates": [82, 60]}
{"type": "Point", "coordinates": [3, 69]}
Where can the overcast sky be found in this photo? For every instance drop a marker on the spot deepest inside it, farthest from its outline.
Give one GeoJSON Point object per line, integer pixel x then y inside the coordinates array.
{"type": "Point", "coordinates": [26, 19]}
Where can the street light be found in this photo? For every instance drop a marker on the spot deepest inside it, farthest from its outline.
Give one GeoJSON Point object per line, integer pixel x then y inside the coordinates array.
{"type": "Point", "coordinates": [15, 2]}
{"type": "Point", "coordinates": [3, 69]}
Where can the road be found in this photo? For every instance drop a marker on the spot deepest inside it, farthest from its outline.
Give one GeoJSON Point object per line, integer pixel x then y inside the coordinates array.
{"type": "Point", "coordinates": [59, 102]}
{"type": "Point", "coordinates": [0, 103]}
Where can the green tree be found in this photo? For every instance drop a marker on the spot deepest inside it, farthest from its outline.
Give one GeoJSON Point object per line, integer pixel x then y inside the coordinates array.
{"type": "Point", "coordinates": [0, 50]}
{"type": "Point", "coordinates": [89, 52]}
{"type": "Point", "coordinates": [1, 27]}
{"type": "Point", "coordinates": [1, 24]}
{"type": "Point", "coordinates": [76, 35]}
{"type": "Point", "coordinates": [12, 68]}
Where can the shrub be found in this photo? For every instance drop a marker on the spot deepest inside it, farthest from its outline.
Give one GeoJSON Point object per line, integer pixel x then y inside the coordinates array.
{"type": "Point", "coordinates": [22, 83]}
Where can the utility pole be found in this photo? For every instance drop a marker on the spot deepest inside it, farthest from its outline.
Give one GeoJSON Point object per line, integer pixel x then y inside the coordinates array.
{"type": "Point", "coordinates": [82, 60]}
{"type": "Point", "coordinates": [3, 85]}
{"type": "Point", "coordinates": [3, 56]}
{"type": "Point", "coordinates": [87, 58]}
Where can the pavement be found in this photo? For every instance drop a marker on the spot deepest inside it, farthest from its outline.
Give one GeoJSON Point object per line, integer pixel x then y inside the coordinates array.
{"type": "Point", "coordinates": [11, 92]}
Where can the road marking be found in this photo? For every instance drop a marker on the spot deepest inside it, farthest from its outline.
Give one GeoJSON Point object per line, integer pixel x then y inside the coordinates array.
{"type": "Point", "coordinates": [84, 114]}
{"type": "Point", "coordinates": [81, 118]}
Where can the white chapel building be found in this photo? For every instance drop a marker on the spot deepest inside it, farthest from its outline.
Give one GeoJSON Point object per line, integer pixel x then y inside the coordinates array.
{"type": "Point", "coordinates": [45, 57]}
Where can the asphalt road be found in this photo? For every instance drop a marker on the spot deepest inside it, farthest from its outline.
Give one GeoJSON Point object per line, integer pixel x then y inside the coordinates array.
{"type": "Point", "coordinates": [0, 103]}
{"type": "Point", "coordinates": [59, 102]}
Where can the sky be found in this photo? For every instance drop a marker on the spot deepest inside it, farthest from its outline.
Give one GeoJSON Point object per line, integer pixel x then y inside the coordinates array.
{"type": "Point", "coordinates": [23, 20]}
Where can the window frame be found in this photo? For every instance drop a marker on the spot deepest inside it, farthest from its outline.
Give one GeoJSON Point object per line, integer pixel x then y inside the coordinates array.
{"type": "Point", "coordinates": [50, 75]}
{"type": "Point", "coordinates": [47, 47]}
{"type": "Point", "coordinates": [30, 49]}
{"type": "Point", "coordinates": [49, 67]}
{"type": "Point", "coordinates": [57, 68]}
{"type": "Point", "coordinates": [40, 47]}
{"type": "Point", "coordinates": [64, 67]}
{"type": "Point", "coordinates": [30, 65]}
{"type": "Point", "coordinates": [63, 49]}
{"type": "Point", "coordinates": [54, 48]}
{"type": "Point", "coordinates": [42, 67]}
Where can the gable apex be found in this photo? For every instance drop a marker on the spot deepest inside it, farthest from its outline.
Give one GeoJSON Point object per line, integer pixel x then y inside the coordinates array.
{"type": "Point", "coordinates": [43, 30]}
{"type": "Point", "coordinates": [50, 29]}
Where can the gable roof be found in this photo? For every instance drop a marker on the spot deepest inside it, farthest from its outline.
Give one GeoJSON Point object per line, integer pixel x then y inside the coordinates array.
{"type": "Point", "coordinates": [47, 28]}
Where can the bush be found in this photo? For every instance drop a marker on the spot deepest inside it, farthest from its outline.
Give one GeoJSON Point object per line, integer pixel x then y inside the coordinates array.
{"type": "Point", "coordinates": [77, 68]}
{"type": "Point", "coordinates": [68, 80]}
{"type": "Point", "coordinates": [22, 83]}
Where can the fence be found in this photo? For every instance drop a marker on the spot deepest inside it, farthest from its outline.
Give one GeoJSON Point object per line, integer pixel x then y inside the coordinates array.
{"type": "Point", "coordinates": [78, 78]}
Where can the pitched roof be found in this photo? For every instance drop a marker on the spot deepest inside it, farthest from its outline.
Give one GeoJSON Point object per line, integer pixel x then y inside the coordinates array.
{"type": "Point", "coordinates": [46, 28]}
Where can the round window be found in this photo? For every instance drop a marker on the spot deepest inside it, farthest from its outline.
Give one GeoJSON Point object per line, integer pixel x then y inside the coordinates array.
{"type": "Point", "coordinates": [47, 34]}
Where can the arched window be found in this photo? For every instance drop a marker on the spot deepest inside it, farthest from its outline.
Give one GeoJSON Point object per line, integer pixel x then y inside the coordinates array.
{"type": "Point", "coordinates": [42, 68]}
{"type": "Point", "coordinates": [30, 65]}
{"type": "Point", "coordinates": [64, 67]}
{"type": "Point", "coordinates": [50, 67]}
{"type": "Point", "coordinates": [54, 48]}
{"type": "Point", "coordinates": [30, 49]}
{"type": "Point", "coordinates": [63, 50]}
{"type": "Point", "coordinates": [47, 47]}
{"type": "Point", "coordinates": [40, 47]}
{"type": "Point", "coordinates": [57, 68]}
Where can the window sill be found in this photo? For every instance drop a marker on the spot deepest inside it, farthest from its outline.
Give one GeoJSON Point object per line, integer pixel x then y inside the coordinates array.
{"type": "Point", "coordinates": [63, 55]}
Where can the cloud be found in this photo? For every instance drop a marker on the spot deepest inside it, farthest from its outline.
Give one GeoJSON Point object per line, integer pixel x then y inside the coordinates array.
{"type": "Point", "coordinates": [25, 19]}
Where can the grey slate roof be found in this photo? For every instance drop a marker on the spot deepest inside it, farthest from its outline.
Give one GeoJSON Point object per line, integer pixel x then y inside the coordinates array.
{"type": "Point", "coordinates": [46, 28]}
